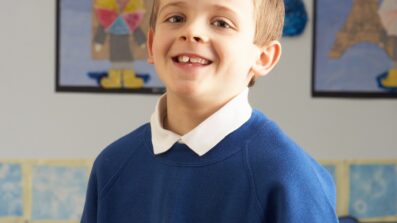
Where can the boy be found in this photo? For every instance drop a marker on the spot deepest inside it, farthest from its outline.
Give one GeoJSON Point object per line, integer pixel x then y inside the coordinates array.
{"type": "Point", "coordinates": [206, 157]}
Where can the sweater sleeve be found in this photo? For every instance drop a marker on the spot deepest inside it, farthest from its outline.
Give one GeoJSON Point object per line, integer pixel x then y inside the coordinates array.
{"type": "Point", "coordinates": [91, 201]}
{"type": "Point", "coordinates": [291, 187]}
{"type": "Point", "coordinates": [303, 194]}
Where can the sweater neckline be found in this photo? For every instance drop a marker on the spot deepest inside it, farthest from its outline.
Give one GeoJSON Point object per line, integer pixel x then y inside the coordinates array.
{"type": "Point", "coordinates": [182, 155]}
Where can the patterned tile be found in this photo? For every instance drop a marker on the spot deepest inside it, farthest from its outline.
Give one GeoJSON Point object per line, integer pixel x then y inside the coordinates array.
{"type": "Point", "coordinates": [11, 193]}
{"type": "Point", "coordinates": [373, 190]}
{"type": "Point", "coordinates": [58, 192]}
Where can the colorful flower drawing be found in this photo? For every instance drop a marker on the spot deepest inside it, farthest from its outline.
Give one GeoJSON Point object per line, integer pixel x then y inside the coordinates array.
{"type": "Point", "coordinates": [101, 47]}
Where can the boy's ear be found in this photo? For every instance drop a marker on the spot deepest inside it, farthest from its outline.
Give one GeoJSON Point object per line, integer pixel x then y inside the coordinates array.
{"type": "Point", "coordinates": [149, 44]}
{"type": "Point", "coordinates": [269, 56]}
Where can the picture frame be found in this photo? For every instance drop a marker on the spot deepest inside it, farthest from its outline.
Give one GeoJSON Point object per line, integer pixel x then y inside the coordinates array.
{"type": "Point", "coordinates": [371, 190]}
{"type": "Point", "coordinates": [11, 190]}
{"type": "Point", "coordinates": [354, 49]}
{"type": "Point", "coordinates": [58, 190]}
{"type": "Point", "coordinates": [101, 47]}
{"type": "Point", "coordinates": [43, 190]}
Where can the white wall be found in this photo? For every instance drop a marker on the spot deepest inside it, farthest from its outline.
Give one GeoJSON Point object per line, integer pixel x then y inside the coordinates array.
{"type": "Point", "coordinates": [36, 122]}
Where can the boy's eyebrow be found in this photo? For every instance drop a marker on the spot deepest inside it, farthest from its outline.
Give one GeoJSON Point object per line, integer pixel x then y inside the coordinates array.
{"type": "Point", "coordinates": [226, 9]}
{"type": "Point", "coordinates": [182, 4]}
{"type": "Point", "coordinates": [172, 4]}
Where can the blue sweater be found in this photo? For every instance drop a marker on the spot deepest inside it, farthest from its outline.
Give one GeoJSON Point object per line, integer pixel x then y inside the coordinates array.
{"type": "Point", "coordinates": [255, 175]}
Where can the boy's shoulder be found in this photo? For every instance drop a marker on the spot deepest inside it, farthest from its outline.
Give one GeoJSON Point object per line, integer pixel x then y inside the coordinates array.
{"type": "Point", "coordinates": [271, 142]}
{"type": "Point", "coordinates": [115, 155]}
{"type": "Point", "coordinates": [271, 150]}
{"type": "Point", "coordinates": [127, 143]}
{"type": "Point", "coordinates": [269, 139]}
{"type": "Point", "coordinates": [281, 169]}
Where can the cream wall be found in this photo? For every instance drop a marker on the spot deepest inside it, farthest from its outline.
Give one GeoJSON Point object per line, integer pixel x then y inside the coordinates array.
{"type": "Point", "coordinates": [36, 122]}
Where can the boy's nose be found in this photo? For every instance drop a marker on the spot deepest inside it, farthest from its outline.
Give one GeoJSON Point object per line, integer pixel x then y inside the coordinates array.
{"type": "Point", "coordinates": [192, 38]}
{"type": "Point", "coordinates": [194, 32]}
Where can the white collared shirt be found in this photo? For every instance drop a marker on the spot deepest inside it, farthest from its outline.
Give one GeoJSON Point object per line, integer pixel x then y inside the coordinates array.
{"type": "Point", "coordinates": [207, 134]}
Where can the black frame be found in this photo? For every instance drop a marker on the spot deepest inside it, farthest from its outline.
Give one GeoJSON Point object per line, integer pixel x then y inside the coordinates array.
{"type": "Point", "coordinates": [87, 89]}
{"type": "Point", "coordinates": [352, 219]}
{"type": "Point", "coordinates": [340, 94]}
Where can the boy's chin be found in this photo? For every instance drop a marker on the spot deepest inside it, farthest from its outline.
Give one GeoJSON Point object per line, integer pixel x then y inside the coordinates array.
{"type": "Point", "coordinates": [187, 90]}
{"type": "Point", "coordinates": [183, 91]}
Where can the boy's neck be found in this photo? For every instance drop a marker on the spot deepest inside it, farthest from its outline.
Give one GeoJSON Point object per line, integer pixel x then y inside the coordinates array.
{"type": "Point", "coordinates": [184, 114]}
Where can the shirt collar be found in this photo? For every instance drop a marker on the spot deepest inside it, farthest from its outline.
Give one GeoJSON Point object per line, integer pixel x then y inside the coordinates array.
{"type": "Point", "coordinates": [208, 133]}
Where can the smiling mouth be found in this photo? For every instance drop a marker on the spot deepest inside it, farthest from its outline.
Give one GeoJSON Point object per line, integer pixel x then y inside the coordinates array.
{"type": "Point", "coordinates": [184, 59]}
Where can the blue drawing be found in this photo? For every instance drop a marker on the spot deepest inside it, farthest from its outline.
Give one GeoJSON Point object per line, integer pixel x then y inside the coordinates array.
{"type": "Point", "coordinates": [295, 17]}
{"type": "Point", "coordinates": [352, 49]}
{"type": "Point", "coordinates": [373, 190]}
{"type": "Point", "coordinates": [58, 193]}
{"type": "Point", "coordinates": [11, 195]}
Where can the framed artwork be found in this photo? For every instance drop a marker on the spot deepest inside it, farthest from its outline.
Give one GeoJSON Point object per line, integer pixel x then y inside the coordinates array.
{"type": "Point", "coordinates": [11, 191]}
{"type": "Point", "coordinates": [355, 48]}
{"type": "Point", "coordinates": [58, 192]}
{"type": "Point", "coordinates": [43, 191]}
{"type": "Point", "coordinates": [372, 191]}
{"type": "Point", "coordinates": [101, 47]}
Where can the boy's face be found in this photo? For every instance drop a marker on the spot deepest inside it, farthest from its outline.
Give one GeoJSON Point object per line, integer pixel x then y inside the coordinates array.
{"type": "Point", "coordinates": [204, 48]}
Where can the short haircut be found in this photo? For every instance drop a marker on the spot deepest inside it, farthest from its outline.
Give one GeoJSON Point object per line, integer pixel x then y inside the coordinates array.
{"type": "Point", "coordinates": [269, 20]}
{"type": "Point", "coordinates": [268, 17]}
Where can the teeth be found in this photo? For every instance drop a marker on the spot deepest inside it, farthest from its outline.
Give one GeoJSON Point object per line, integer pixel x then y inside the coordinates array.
{"type": "Point", "coordinates": [185, 59]}
{"type": "Point", "coordinates": [195, 60]}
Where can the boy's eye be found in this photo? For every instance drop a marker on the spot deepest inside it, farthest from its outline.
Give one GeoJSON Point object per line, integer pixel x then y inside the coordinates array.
{"type": "Point", "coordinates": [175, 19]}
{"type": "Point", "coordinates": [222, 24]}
